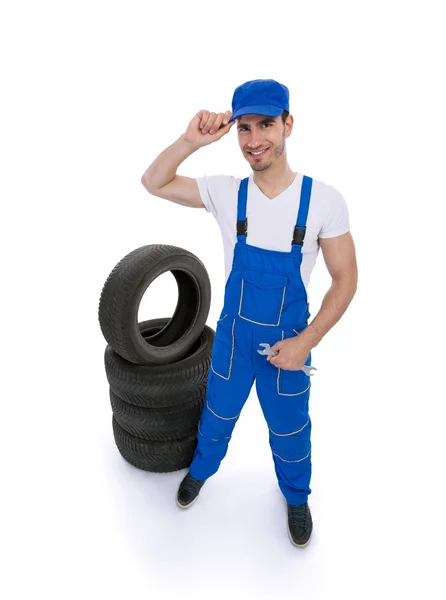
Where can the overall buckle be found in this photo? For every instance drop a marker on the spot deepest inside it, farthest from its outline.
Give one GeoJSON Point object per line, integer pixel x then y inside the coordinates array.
{"type": "Point", "coordinates": [242, 227]}
{"type": "Point", "coordinates": [299, 235]}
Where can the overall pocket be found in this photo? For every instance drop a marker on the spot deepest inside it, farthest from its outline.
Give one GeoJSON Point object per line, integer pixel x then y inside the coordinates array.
{"type": "Point", "coordinates": [262, 296]}
{"type": "Point", "coordinates": [223, 348]}
{"type": "Point", "coordinates": [293, 383]}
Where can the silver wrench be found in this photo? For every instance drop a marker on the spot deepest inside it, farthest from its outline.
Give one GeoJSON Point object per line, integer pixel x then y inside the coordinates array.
{"type": "Point", "coordinates": [269, 351]}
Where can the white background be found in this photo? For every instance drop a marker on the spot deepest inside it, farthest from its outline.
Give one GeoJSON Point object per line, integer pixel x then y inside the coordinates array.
{"type": "Point", "coordinates": [92, 92]}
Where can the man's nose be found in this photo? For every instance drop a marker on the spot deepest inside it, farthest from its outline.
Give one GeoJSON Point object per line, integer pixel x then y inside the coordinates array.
{"type": "Point", "coordinates": [254, 141]}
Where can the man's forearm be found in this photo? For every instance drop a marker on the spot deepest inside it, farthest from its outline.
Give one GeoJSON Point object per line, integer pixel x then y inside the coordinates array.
{"type": "Point", "coordinates": [164, 167]}
{"type": "Point", "coordinates": [334, 305]}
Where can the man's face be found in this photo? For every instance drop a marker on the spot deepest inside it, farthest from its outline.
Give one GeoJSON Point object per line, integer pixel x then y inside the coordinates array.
{"type": "Point", "coordinates": [256, 133]}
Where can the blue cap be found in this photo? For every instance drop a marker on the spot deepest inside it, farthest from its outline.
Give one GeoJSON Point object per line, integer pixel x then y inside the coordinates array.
{"type": "Point", "coordinates": [260, 97]}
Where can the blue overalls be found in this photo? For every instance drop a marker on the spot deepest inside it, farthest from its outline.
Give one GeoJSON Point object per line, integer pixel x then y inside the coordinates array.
{"type": "Point", "coordinates": [265, 301]}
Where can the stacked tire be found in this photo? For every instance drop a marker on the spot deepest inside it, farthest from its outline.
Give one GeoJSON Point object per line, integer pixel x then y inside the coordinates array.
{"type": "Point", "coordinates": [157, 370]}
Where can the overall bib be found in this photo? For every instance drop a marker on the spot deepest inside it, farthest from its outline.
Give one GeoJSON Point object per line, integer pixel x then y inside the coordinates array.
{"type": "Point", "coordinates": [265, 301]}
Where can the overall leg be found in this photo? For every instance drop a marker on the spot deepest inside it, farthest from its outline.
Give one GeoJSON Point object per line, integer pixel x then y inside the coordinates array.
{"type": "Point", "coordinates": [284, 398]}
{"type": "Point", "coordinates": [230, 380]}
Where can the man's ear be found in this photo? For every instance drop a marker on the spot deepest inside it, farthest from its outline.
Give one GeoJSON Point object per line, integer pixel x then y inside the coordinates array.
{"type": "Point", "coordinates": [288, 125]}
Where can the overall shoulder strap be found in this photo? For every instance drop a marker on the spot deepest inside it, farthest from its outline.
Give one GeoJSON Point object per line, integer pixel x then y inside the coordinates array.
{"type": "Point", "coordinates": [301, 222]}
{"type": "Point", "coordinates": [242, 221]}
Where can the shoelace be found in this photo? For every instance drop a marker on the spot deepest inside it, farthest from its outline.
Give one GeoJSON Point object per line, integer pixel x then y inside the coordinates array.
{"type": "Point", "coordinates": [298, 515]}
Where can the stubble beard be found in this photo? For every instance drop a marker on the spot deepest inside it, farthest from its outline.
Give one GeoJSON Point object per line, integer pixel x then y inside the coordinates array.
{"type": "Point", "coordinates": [277, 152]}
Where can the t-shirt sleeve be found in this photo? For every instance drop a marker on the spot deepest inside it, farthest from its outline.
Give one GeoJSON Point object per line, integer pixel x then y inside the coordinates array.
{"type": "Point", "coordinates": [336, 219]}
{"type": "Point", "coordinates": [214, 190]}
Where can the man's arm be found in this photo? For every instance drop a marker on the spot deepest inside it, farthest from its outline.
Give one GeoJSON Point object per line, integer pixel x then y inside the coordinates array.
{"type": "Point", "coordinates": [160, 178]}
{"type": "Point", "coordinates": [340, 259]}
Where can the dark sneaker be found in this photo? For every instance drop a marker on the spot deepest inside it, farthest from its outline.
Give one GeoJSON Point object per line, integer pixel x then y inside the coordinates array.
{"type": "Point", "coordinates": [188, 491]}
{"type": "Point", "coordinates": [300, 524]}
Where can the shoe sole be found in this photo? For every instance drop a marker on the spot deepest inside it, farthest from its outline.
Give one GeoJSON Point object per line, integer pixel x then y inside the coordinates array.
{"type": "Point", "coordinates": [185, 505]}
{"type": "Point", "coordinates": [298, 545]}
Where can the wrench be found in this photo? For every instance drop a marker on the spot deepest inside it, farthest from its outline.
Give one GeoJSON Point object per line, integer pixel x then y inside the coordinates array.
{"type": "Point", "coordinates": [269, 351]}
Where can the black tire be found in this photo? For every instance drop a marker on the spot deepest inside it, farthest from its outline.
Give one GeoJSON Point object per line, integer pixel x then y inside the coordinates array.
{"type": "Point", "coordinates": [158, 457]}
{"type": "Point", "coordinates": [157, 386]}
{"type": "Point", "coordinates": [122, 294]}
{"type": "Point", "coordinates": [159, 424]}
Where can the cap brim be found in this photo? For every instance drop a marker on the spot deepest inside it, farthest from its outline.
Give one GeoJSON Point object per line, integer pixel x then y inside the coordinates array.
{"type": "Point", "coordinates": [269, 110]}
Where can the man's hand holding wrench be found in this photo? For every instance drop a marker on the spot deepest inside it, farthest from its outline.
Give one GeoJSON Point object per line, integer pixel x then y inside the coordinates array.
{"type": "Point", "coordinates": [289, 354]}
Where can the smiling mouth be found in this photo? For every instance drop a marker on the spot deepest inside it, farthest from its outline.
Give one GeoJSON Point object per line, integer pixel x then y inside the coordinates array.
{"type": "Point", "coordinates": [258, 155]}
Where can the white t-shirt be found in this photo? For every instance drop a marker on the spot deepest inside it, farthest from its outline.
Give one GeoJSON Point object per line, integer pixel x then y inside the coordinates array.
{"type": "Point", "coordinates": [271, 222]}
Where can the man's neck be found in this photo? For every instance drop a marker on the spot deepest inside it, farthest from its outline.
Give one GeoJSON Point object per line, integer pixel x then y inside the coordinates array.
{"type": "Point", "coordinates": [274, 180]}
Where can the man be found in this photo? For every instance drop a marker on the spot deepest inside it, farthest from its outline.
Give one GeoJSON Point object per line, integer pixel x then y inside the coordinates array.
{"type": "Point", "coordinates": [272, 223]}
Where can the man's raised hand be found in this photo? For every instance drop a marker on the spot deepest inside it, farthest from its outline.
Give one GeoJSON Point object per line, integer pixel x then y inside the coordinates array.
{"type": "Point", "coordinates": [207, 127]}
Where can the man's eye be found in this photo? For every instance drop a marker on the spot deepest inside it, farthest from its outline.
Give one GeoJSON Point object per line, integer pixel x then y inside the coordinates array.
{"type": "Point", "coordinates": [268, 124]}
